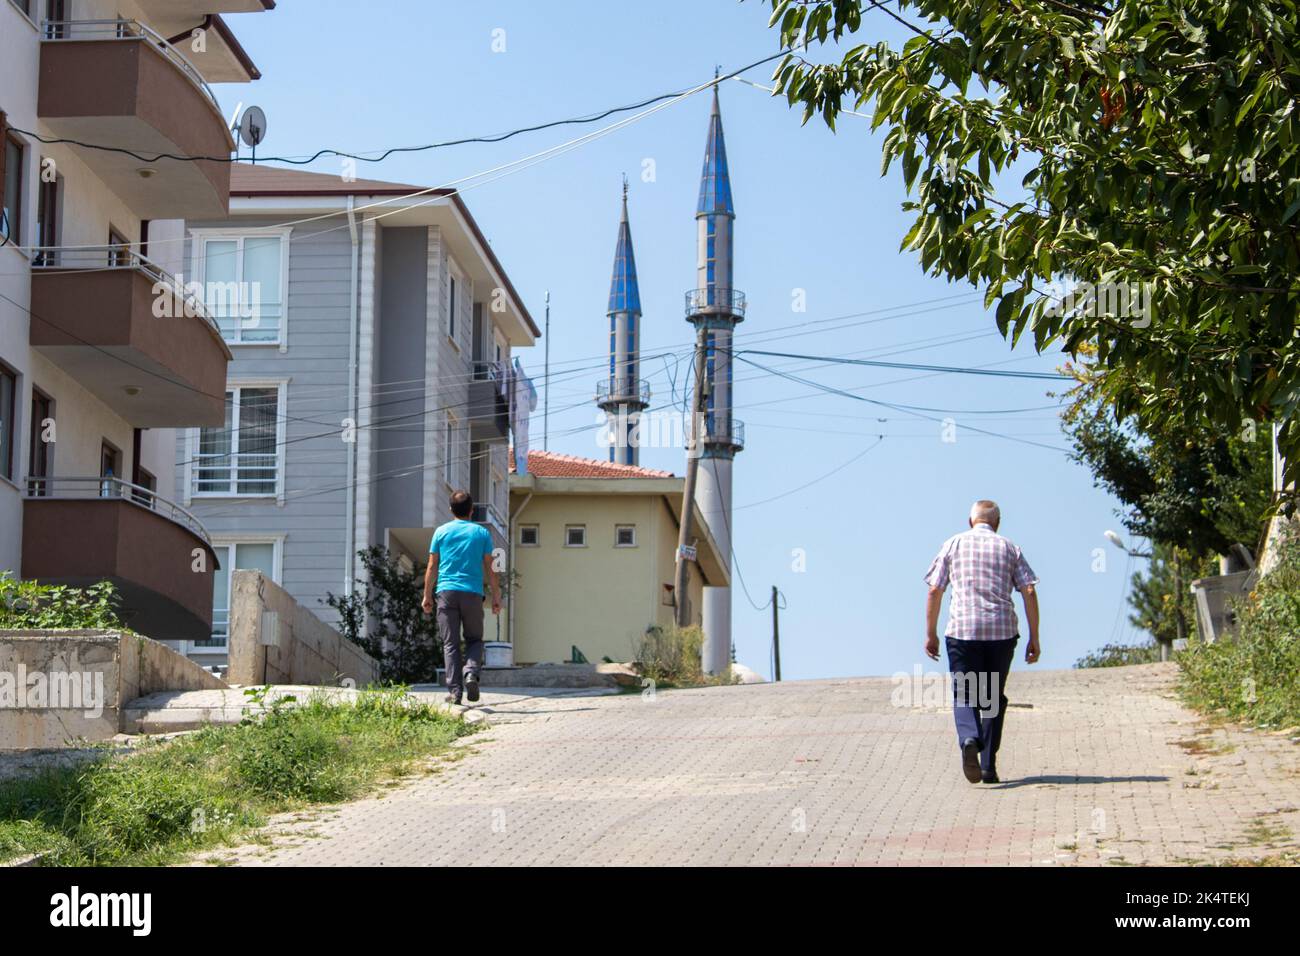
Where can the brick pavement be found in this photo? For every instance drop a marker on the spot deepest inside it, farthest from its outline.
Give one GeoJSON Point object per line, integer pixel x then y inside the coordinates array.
{"type": "Point", "coordinates": [1098, 767]}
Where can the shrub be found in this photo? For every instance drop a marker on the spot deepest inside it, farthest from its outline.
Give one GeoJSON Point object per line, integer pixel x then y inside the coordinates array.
{"type": "Point", "coordinates": [28, 605]}
{"type": "Point", "coordinates": [1254, 674]}
{"type": "Point", "coordinates": [671, 657]}
{"type": "Point", "coordinates": [1119, 655]}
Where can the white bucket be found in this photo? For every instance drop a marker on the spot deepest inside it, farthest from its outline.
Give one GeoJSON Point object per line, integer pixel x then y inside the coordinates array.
{"type": "Point", "coordinates": [498, 654]}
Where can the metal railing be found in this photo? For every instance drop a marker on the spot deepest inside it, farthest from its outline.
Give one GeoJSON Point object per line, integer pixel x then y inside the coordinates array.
{"type": "Point", "coordinates": [81, 488]}
{"type": "Point", "coordinates": [720, 432]}
{"type": "Point", "coordinates": [107, 258]}
{"type": "Point", "coordinates": [235, 473]}
{"type": "Point", "coordinates": [629, 390]}
{"type": "Point", "coordinates": [71, 31]}
{"type": "Point", "coordinates": [715, 301]}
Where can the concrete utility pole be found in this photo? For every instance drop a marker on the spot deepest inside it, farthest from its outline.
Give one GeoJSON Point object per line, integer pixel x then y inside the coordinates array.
{"type": "Point", "coordinates": [546, 373]}
{"type": "Point", "coordinates": [776, 637]}
{"type": "Point", "coordinates": [686, 526]}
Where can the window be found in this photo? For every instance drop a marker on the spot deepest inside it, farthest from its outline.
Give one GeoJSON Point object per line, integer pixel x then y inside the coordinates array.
{"type": "Point", "coordinates": [243, 281]}
{"type": "Point", "coordinates": [119, 249]}
{"type": "Point", "coordinates": [625, 536]}
{"type": "Point", "coordinates": [240, 556]}
{"type": "Point", "coordinates": [529, 536]}
{"type": "Point", "coordinates": [575, 536]}
{"type": "Point", "coordinates": [8, 408]}
{"type": "Point", "coordinates": [12, 220]}
{"type": "Point", "coordinates": [451, 308]}
{"type": "Point", "coordinates": [242, 457]}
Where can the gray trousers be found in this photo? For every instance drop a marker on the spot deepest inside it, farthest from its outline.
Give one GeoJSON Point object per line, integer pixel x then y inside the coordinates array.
{"type": "Point", "coordinates": [459, 610]}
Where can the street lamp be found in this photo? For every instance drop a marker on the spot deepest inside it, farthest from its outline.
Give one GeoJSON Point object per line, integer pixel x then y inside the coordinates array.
{"type": "Point", "coordinates": [1118, 542]}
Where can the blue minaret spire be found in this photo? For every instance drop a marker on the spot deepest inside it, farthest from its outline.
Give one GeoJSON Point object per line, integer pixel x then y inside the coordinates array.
{"type": "Point", "coordinates": [716, 306]}
{"type": "Point", "coordinates": [623, 395]}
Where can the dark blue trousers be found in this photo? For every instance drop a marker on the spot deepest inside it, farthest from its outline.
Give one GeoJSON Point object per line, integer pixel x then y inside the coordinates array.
{"type": "Point", "coordinates": [979, 699]}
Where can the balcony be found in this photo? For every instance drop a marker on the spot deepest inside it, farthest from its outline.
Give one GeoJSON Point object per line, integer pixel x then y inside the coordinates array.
{"type": "Point", "coordinates": [125, 331]}
{"type": "Point", "coordinates": [611, 393]}
{"type": "Point", "coordinates": [727, 303]}
{"type": "Point", "coordinates": [487, 514]}
{"type": "Point", "coordinates": [79, 531]}
{"type": "Point", "coordinates": [721, 433]}
{"type": "Point", "coordinates": [116, 82]}
{"type": "Point", "coordinates": [489, 403]}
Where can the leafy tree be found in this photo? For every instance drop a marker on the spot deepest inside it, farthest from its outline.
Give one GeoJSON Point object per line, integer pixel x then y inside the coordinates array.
{"type": "Point", "coordinates": [1162, 592]}
{"type": "Point", "coordinates": [385, 618]}
{"type": "Point", "coordinates": [1156, 147]}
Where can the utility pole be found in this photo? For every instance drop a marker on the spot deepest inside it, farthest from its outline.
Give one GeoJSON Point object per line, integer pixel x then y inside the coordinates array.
{"type": "Point", "coordinates": [694, 446]}
{"type": "Point", "coordinates": [776, 637]}
{"type": "Point", "coordinates": [546, 373]}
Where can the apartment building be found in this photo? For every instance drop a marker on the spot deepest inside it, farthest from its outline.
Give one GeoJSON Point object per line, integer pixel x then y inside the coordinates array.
{"type": "Point", "coordinates": [369, 379]}
{"type": "Point", "coordinates": [101, 356]}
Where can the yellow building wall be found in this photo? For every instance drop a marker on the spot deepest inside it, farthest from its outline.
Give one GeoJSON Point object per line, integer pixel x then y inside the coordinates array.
{"type": "Point", "coordinates": [600, 598]}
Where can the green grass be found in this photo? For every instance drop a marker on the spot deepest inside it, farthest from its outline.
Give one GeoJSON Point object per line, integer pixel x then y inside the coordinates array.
{"type": "Point", "coordinates": [218, 785]}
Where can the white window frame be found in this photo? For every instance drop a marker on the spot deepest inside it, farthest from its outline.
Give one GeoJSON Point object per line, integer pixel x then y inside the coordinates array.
{"type": "Point", "coordinates": [229, 541]}
{"type": "Point", "coordinates": [622, 527]}
{"type": "Point", "coordinates": [198, 265]}
{"type": "Point", "coordinates": [575, 527]}
{"type": "Point", "coordinates": [281, 422]}
{"type": "Point", "coordinates": [534, 527]}
{"type": "Point", "coordinates": [450, 439]}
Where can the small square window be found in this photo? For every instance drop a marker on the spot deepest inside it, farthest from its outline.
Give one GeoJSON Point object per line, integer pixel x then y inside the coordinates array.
{"type": "Point", "coordinates": [575, 536]}
{"type": "Point", "coordinates": [625, 536]}
{"type": "Point", "coordinates": [528, 537]}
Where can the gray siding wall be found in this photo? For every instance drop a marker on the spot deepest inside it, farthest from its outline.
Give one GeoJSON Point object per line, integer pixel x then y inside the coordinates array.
{"type": "Point", "coordinates": [312, 518]}
{"type": "Point", "coordinates": [399, 394]}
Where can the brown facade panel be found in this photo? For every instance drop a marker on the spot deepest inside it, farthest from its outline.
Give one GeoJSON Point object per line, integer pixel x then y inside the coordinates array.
{"type": "Point", "coordinates": [149, 558]}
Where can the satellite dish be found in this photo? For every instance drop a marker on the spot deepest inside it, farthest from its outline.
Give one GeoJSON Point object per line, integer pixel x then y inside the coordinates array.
{"type": "Point", "coordinates": [252, 126]}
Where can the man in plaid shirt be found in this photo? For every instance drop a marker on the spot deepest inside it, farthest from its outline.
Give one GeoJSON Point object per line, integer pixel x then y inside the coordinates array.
{"type": "Point", "coordinates": [983, 568]}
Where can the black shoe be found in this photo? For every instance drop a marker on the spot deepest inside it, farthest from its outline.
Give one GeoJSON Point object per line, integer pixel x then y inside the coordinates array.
{"type": "Point", "coordinates": [970, 759]}
{"type": "Point", "coordinates": [452, 699]}
{"type": "Point", "coordinates": [471, 687]}
{"type": "Point", "coordinates": [989, 776]}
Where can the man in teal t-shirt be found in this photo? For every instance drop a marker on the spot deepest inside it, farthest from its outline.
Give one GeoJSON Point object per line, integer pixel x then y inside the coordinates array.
{"type": "Point", "coordinates": [460, 557]}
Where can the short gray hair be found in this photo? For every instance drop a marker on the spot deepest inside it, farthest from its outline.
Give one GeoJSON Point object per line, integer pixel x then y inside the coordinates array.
{"type": "Point", "coordinates": [985, 511]}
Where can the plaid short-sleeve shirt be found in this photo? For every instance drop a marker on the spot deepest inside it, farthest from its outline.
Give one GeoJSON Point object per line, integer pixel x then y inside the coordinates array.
{"type": "Point", "coordinates": [983, 568]}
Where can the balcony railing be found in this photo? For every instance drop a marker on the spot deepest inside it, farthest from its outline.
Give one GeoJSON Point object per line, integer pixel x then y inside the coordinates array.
{"type": "Point", "coordinates": [715, 301]}
{"type": "Point", "coordinates": [123, 29]}
{"type": "Point", "coordinates": [108, 258]}
{"type": "Point", "coordinates": [109, 488]}
{"type": "Point", "coordinates": [622, 391]}
{"type": "Point", "coordinates": [721, 432]}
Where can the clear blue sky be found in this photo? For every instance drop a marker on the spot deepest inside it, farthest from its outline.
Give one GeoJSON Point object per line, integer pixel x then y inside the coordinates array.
{"type": "Point", "coordinates": [813, 213]}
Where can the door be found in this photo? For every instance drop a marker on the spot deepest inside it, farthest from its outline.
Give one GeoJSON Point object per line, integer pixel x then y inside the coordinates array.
{"type": "Point", "coordinates": [110, 467]}
{"type": "Point", "coordinates": [39, 450]}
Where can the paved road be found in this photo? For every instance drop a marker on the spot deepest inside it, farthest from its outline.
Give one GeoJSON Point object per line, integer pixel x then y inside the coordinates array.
{"type": "Point", "coordinates": [1098, 767]}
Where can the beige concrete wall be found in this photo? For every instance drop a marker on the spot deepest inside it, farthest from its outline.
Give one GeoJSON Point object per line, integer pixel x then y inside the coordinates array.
{"type": "Point", "coordinates": [600, 598]}
{"type": "Point", "coordinates": [110, 668]}
{"type": "Point", "coordinates": [309, 651]}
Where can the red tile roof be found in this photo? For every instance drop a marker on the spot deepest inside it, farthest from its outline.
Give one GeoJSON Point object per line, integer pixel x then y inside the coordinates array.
{"type": "Point", "coordinates": [551, 464]}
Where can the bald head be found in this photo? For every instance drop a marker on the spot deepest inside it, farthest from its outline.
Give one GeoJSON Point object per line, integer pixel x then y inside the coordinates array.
{"type": "Point", "coordinates": [985, 512]}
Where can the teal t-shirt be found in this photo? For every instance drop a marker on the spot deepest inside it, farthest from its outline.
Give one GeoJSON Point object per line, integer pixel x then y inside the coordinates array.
{"type": "Point", "coordinates": [461, 547]}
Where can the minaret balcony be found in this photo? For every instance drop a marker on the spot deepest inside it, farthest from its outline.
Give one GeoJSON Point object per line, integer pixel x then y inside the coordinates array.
{"type": "Point", "coordinates": [611, 393]}
{"type": "Point", "coordinates": [729, 303]}
{"type": "Point", "coordinates": [725, 434]}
